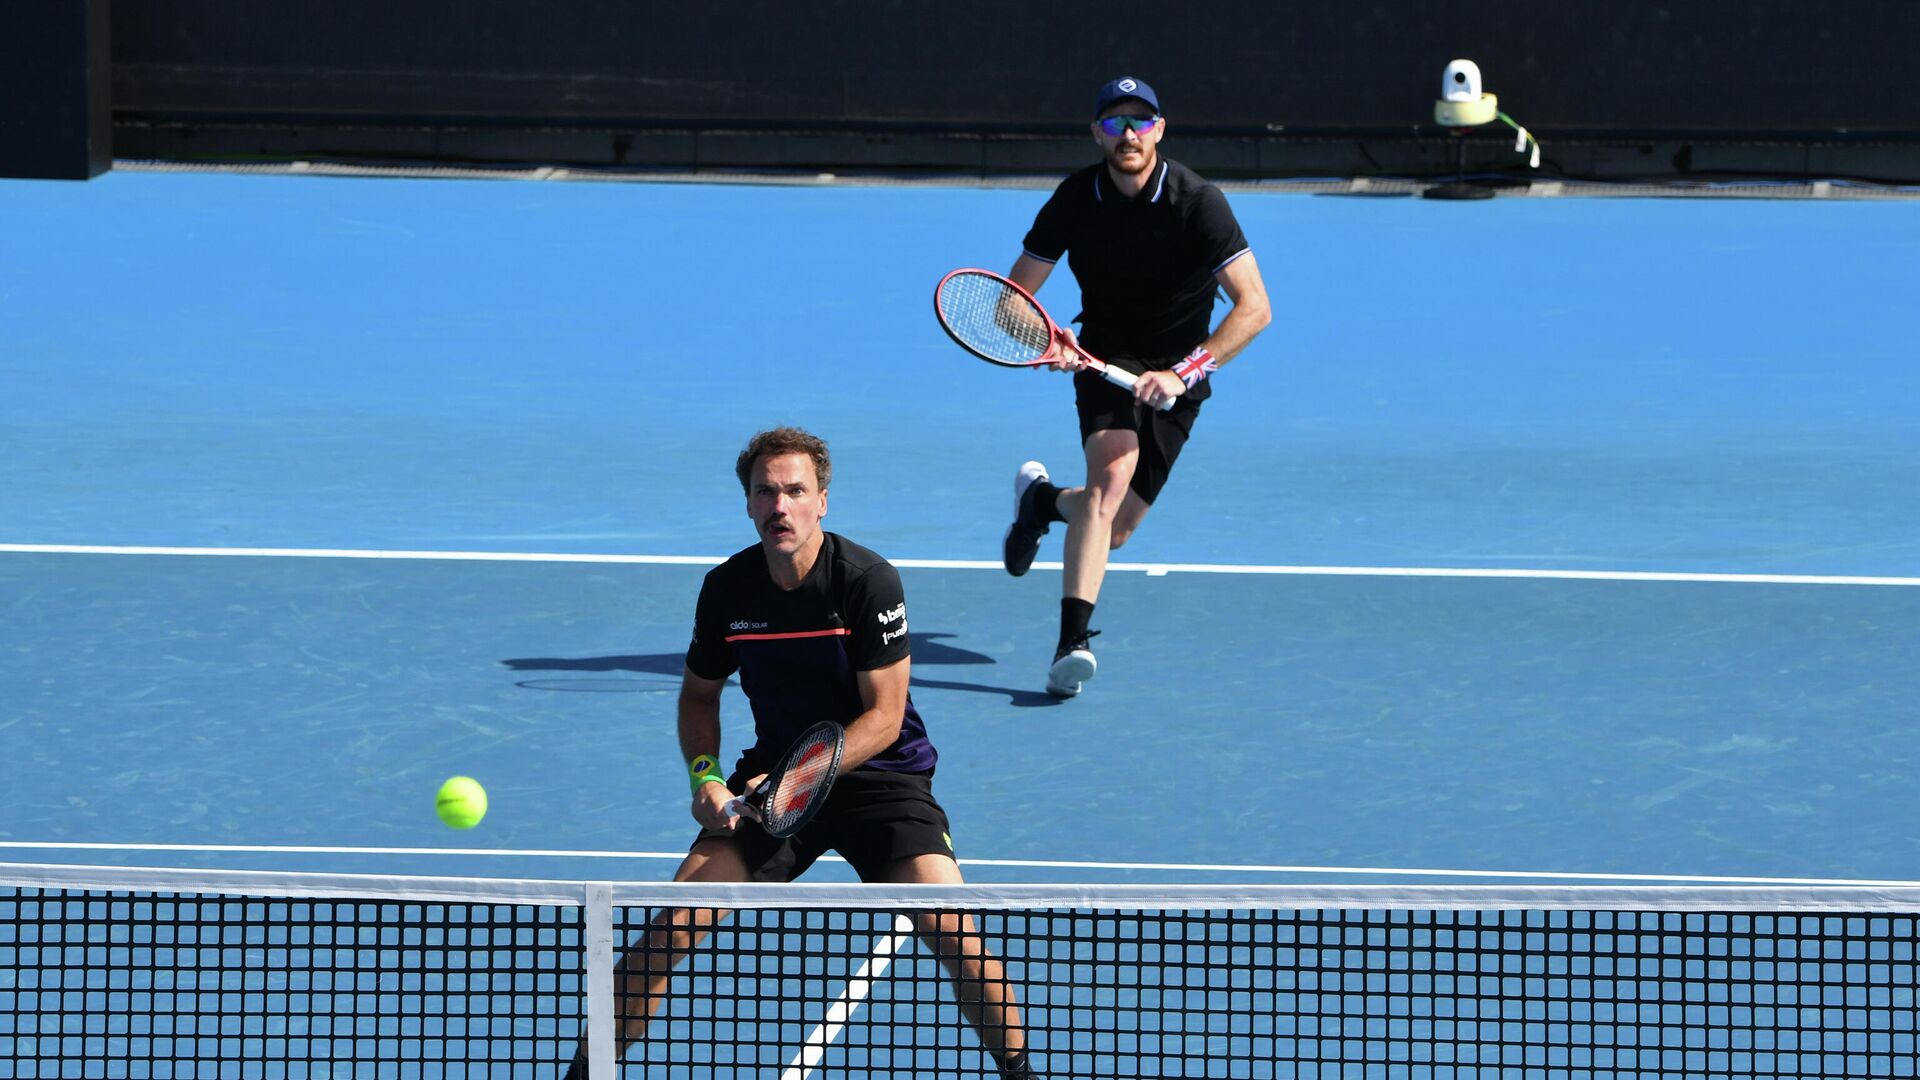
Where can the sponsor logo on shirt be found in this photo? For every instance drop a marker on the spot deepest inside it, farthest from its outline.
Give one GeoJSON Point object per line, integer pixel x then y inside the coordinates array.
{"type": "Point", "coordinates": [896, 612]}
{"type": "Point", "coordinates": [746, 624]}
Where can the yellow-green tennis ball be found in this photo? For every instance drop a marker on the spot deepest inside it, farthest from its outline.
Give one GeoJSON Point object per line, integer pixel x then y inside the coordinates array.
{"type": "Point", "coordinates": [462, 802]}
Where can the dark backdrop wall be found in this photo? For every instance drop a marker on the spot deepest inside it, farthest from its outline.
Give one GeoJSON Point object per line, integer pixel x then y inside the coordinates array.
{"type": "Point", "coordinates": [1252, 87]}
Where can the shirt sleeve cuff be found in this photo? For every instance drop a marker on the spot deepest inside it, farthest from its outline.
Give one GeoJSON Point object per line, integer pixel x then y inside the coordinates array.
{"type": "Point", "coordinates": [1231, 258]}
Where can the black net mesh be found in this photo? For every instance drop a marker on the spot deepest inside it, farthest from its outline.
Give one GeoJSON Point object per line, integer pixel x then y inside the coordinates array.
{"type": "Point", "coordinates": [176, 984]}
{"type": "Point", "coordinates": [114, 984]}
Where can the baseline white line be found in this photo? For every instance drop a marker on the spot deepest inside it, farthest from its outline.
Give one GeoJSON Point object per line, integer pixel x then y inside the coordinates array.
{"type": "Point", "coordinates": [1046, 864]}
{"type": "Point", "coordinates": [355, 553]}
{"type": "Point", "coordinates": [1150, 569]}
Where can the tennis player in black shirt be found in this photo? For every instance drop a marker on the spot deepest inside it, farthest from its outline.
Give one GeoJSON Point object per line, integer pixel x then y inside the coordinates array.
{"type": "Point", "coordinates": [1148, 240]}
{"type": "Point", "coordinates": [816, 628]}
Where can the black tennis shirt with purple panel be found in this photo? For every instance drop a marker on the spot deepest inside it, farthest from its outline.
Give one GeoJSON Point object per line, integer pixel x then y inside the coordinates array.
{"type": "Point", "coordinates": [1145, 264]}
{"type": "Point", "coordinates": [799, 652]}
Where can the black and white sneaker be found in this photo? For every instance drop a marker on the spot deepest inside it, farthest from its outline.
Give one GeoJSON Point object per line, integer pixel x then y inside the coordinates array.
{"type": "Point", "coordinates": [1073, 664]}
{"type": "Point", "coordinates": [1016, 1066]}
{"type": "Point", "coordinates": [1022, 542]}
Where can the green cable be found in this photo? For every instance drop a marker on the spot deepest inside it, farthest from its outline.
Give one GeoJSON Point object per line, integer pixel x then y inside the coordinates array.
{"type": "Point", "coordinates": [1525, 138]}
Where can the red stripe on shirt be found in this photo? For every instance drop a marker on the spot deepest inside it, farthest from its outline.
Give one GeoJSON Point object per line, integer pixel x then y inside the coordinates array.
{"type": "Point", "coordinates": [840, 631]}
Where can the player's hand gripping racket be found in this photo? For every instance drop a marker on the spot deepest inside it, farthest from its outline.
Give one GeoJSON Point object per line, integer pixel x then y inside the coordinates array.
{"type": "Point", "coordinates": [797, 787]}
{"type": "Point", "coordinates": [1002, 323]}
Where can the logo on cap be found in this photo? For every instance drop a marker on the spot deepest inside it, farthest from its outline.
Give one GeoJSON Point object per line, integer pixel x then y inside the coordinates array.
{"type": "Point", "coordinates": [1128, 86]}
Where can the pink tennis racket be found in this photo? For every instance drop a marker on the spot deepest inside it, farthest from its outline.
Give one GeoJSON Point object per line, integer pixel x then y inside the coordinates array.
{"type": "Point", "coordinates": [1001, 323]}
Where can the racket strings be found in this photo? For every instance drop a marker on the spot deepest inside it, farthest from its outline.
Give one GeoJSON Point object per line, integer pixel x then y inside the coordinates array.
{"type": "Point", "coordinates": [995, 319]}
{"type": "Point", "coordinates": [802, 780]}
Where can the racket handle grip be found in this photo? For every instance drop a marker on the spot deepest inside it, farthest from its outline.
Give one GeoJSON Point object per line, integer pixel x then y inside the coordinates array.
{"type": "Point", "coordinates": [1128, 379]}
{"type": "Point", "coordinates": [736, 805]}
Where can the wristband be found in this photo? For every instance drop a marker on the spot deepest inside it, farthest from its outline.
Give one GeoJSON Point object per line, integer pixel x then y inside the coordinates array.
{"type": "Point", "coordinates": [1196, 366]}
{"type": "Point", "coordinates": [703, 769]}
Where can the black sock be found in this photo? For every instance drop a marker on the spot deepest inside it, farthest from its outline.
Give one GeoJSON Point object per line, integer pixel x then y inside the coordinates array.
{"type": "Point", "coordinates": [1075, 613]}
{"type": "Point", "coordinates": [1046, 502]}
{"type": "Point", "coordinates": [1013, 1065]}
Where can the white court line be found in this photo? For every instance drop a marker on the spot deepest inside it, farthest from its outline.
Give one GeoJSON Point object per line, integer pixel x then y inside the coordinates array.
{"type": "Point", "coordinates": [1049, 864]}
{"type": "Point", "coordinates": [1150, 569]}
{"type": "Point", "coordinates": [804, 1064]}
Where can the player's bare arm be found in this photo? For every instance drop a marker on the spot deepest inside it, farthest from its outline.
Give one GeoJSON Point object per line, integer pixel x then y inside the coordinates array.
{"type": "Point", "coordinates": [884, 693]}
{"type": "Point", "coordinates": [1251, 314]}
{"type": "Point", "coordinates": [700, 734]}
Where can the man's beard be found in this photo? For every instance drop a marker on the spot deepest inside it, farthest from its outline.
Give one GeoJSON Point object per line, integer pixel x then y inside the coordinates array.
{"type": "Point", "coordinates": [1130, 165]}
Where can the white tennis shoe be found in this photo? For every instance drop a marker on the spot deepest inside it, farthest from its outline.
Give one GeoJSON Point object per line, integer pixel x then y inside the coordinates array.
{"type": "Point", "coordinates": [1072, 665]}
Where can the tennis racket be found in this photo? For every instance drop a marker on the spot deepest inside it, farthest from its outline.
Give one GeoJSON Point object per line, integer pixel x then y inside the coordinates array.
{"type": "Point", "coordinates": [797, 787]}
{"type": "Point", "coordinates": [1002, 323]}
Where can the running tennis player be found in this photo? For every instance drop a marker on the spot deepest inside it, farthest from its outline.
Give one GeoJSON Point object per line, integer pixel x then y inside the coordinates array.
{"type": "Point", "coordinates": [1147, 239]}
{"type": "Point", "coordinates": [816, 625]}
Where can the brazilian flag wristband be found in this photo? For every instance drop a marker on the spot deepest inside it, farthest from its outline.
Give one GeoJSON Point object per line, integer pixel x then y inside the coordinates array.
{"type": "Point", "coordinates": [702, 769]}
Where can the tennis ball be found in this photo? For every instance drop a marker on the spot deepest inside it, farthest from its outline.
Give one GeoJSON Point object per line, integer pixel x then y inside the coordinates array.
{"type": "Point", "coordinates": [462, 802]}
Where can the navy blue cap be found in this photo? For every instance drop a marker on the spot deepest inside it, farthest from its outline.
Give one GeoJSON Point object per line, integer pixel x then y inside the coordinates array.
{"type": "Point", "coordinates": [1126, 86]}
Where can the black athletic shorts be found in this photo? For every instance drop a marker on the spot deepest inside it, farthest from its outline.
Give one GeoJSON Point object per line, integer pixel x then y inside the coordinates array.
{"type": "Point", "coordinates": [873, 818]}
{"type": "Point", "coordinates": [1106, 407]}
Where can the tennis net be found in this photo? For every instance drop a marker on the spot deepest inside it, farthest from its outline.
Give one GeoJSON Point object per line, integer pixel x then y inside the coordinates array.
{"type": "Point", "coordinates": [112, 972]}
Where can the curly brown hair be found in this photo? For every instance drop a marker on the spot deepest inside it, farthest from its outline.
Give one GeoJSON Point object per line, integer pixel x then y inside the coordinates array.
{"type": "Point", "coordinates": [784, 440]}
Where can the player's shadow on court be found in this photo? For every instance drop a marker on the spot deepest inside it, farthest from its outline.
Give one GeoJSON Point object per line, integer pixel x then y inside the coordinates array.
{"type": "Point", "coordinates": [662, 671]}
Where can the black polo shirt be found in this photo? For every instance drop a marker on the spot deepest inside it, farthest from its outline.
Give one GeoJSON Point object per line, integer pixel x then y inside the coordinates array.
{"type": "Point", "coordinates": [1145, 264]}
{"type": "Point", "coordinates": [798, 651]}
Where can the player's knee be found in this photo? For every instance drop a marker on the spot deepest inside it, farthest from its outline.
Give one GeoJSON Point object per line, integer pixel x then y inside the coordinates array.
{"type": "Point", "coordinates": [1104, 504]}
